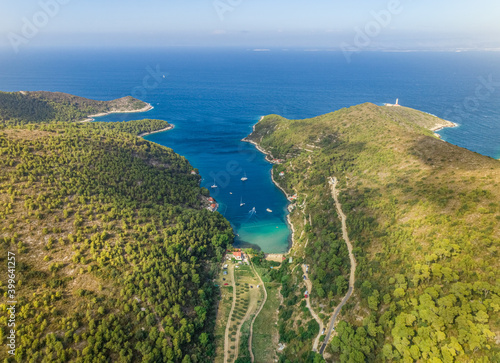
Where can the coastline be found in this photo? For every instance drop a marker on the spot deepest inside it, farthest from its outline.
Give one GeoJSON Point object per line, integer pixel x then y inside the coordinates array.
{"type": "Point", "coordinates": [268, 155]}
{"type": "Point", "coordinates": [439, 127]}
{"type": "Point", "coordinates": [170, 127]}
{"type": "Point", "coordinates": [91, 118]}
{"type": "Point", "coordinates": [270, 159]}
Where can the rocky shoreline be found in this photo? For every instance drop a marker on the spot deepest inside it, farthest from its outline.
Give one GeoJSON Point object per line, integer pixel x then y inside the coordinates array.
{"type": "Point", "coordinates": [270, 159]}
{"type": "Point", "coordinates": [440, 127]}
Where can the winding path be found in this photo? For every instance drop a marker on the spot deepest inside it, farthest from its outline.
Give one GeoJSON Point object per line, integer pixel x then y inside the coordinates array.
{"type": "Point", "coordinates": [226, 336]}
{"type": "Point", "coordinates": [252, 357]}
{"type": "Point", "coordinates": [352, 279]}
{"type": "Point", "coordinates": [308, 303]}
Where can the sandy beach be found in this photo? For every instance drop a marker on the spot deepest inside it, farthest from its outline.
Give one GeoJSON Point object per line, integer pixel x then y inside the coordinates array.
{"type": "Point", "coordinates": [90, 118]}
{"type": "Point", "coordinates": [276, 257]}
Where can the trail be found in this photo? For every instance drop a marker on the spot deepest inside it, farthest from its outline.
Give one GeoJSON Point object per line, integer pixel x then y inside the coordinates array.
{"type": "Point", "coordinates": [308, 303]}
{"type": "Point", "coordinates": [226, 335]}
{"type": "Point", "coordinates": [352, 279]}
{"type": "Point", "coordinates": [252, 357]}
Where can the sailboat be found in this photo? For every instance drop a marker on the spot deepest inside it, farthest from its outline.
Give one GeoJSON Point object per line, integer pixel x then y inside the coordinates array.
{"type": "Point", "coordinates": [214, 186]}
{"type": "Point", "coordinates": [244, 177]}
{"type": "Point", "coordinates": [241, 202]}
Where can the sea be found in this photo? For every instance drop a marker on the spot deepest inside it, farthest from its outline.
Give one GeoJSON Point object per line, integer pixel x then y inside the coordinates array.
{"type": "Point", "coordinates": [215, 96]}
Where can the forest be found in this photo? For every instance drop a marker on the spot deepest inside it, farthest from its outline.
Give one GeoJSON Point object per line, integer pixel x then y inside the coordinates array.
{"type": "Point", "coordinates": [136, 127]}
{"type": "Point", "coordinates": [20, 108]}
{"type": "Point", "coordinates": [423, 216]}
{"type": "Point", "coordinates": [115, 251]}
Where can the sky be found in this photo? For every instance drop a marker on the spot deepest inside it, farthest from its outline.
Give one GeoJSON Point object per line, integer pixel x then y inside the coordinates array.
{"type": "Point", "coordinates": [331, 24]}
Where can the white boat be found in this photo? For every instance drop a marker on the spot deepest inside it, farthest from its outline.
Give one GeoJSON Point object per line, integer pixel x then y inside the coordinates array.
{"type": "Point", "coordinates": [244, 177]}
{"type": "Point", "coordinates": [269, 210]}
{"type": "Point", "coordinates": [214, 186]}
{"type": "Point", "coordinates": [241, 202]}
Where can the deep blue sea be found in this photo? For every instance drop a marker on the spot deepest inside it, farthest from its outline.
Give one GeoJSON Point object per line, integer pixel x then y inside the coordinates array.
{"type": "Point", "coordinates": [215, 96]}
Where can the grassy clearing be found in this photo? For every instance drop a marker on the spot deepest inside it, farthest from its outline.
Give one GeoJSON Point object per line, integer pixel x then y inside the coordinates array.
{"type": "Point", "coordinates": [226, 299]}
{"type": "Point", "coordinates": [265, 330]}
{"type": "Point", "coordinates": [244, 353]}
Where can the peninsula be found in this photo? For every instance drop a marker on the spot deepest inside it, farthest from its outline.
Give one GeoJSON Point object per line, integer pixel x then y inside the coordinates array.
{"type": "Point", "coordinates": [422, 216]}
{"type": "Point", "coordinates": [41, 107]}
{"type": "Point", "coordinates": [107, 235]}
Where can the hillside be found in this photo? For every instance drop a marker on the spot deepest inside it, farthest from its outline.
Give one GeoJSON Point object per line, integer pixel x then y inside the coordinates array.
{"type": "Point", "coordinates": [18, 108]}
{"type": "Point", "coordinates": [115, 251]}
{"type": "Point", "coordinates": [423, 216]}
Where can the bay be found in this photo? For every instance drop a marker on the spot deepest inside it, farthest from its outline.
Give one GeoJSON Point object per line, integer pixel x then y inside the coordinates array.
{"type": "Point", "coordinates": [215, 96]}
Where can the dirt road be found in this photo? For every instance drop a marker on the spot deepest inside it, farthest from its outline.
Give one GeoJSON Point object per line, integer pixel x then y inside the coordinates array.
{"type": "Point", "coordinates": [308, 303]}
{"type": "Point", "coordinates": [352, 279]}
{"type": "Point", "coordinates": [228, 325]}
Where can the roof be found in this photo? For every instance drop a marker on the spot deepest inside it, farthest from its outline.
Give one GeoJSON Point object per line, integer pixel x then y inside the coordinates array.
{"type": "Point", "coordinates": [237, 254]}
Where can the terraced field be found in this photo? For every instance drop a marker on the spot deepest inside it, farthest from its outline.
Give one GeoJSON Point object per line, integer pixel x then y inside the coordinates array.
{"type": "Point", "coordinates": [234, 319]}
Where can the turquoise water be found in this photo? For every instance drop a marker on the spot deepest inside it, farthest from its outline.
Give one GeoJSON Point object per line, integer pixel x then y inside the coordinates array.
{"type": "Point", "coordinates": [213, 97]}
{"type": "Point", "coordinates": [233, 160]}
